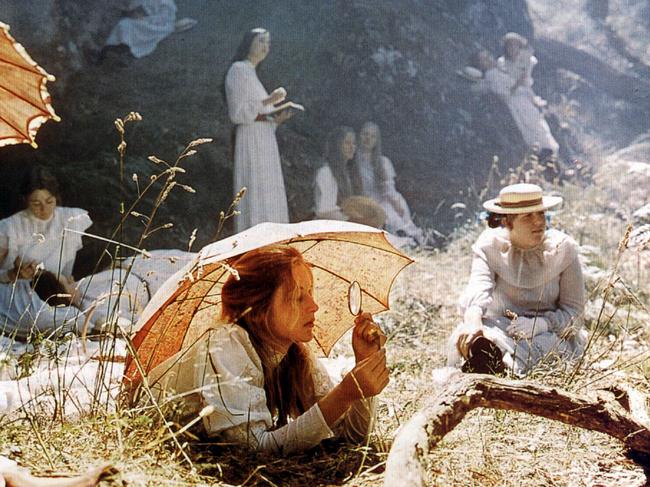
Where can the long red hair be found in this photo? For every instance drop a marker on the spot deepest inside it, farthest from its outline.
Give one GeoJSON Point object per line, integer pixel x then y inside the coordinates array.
{"type": "Point", "coordinates": [246, 301]}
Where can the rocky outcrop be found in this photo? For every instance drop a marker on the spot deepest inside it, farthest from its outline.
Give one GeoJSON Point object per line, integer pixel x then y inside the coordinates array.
{"type": "Point", "coordinates": [347, 61]}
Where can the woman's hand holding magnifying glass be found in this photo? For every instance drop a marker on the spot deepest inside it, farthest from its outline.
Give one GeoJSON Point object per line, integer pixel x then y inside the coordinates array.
{"type": "Point", "coordinates": [367, 337]}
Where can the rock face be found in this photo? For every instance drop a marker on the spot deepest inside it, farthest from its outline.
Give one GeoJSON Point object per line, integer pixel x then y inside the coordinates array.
{"type": "Point", "coordinates": [347, 61]}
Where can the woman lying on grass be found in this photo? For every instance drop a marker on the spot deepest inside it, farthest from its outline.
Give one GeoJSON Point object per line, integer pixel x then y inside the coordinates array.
{"type": "Point", "coordinates": [264, 387]}
{"type": "Point", "coordinates": [525, 295]}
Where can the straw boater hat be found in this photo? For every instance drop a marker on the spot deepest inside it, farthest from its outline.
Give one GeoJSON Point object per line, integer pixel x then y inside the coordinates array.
{"type": "Point", "coordinates": [513, 36]}
{"type": "Point", "coordinates": [521, 198]}
{"type": "Point", "coordinates": [361, 209]}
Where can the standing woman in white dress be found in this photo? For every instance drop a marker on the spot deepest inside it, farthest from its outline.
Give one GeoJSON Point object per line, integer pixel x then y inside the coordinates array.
{"type": "Point", "coordinates": [376, 176]}
{"type": "Point", "coordinates": [37, 235]}
{"type": "Point", "coordinates": [256, 154]}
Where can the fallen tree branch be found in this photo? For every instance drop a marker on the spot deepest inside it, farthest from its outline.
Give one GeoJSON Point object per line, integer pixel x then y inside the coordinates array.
{"type": "Point", "coordinates": [464, 392]}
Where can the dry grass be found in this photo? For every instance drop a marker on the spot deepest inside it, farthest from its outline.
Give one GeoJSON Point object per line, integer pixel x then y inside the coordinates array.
{"type": "Point", "coordinates": [490, 448]}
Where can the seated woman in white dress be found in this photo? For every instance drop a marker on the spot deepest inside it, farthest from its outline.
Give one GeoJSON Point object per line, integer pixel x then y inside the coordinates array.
{"type": "Point", "coordinates": [146, 23]}
{"type": "Point", "coordinates": [376, 175]}
{"type": "Point", "coordinates": [527, 116]}
{"type": "Point", "coordinates": [518, 61]}
{"type": "Point", "coordinates": [37, 236]}
{"type": "Point", "coordinates": [336, 191]}
{"type": "Point", "coordinates": [525, 296]}
{"type": "Point", "coordinates": [262, 385]}
{"type": "Point", "coordinates": [54, 307]}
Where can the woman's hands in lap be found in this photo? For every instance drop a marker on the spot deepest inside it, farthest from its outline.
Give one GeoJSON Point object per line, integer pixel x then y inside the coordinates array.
{"type": "Point", "coordinates": [524, 328]}
{"type": "Point", "coordinates": [468, 333]}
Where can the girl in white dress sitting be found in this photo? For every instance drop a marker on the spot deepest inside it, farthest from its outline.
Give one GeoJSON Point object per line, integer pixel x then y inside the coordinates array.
{"type": "Point", "coordinates": [337, 193]}
{"type": "Point", "coordinates": [376, 176]}
{"type": "Point", "coordinates": [527, 116]}
{"type": "Point", "coordinates": [261, 383]}
{"type": "Point", "coordinates": [38, 234]}
{"type": "Point", "coordinates": [525, 295]}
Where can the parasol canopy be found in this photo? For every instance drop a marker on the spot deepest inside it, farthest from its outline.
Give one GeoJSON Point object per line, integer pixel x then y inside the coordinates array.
{"type": "Point", "coordinates": [24, 100]}
{"type": "Point", "coordinates": [189, 303]}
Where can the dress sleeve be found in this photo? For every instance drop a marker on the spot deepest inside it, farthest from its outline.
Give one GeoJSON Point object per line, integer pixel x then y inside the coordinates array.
{"type": "Point", "coordinates": [78, 220]}
{"type": "Point", "coordinates": [5, 241]}
{"type": "Point", "coordinates": [387, 177]}
{"type": "Point", "coordinates": [244, 102]}
{"type": "Point", "coordinates": [478, 293]}
{"type": "Point", "coordinates": [357, 423]}
{"type": "Point", "coordinates": [326, 195]}
{"type": "Point", "coordinates": [571, 301]}
{"type": "Point", "coordinates": [231, 381]}
{"type": "Point", "coordinates": [532, 62]}
{"type": "Point", "coordinates": [389, 191]}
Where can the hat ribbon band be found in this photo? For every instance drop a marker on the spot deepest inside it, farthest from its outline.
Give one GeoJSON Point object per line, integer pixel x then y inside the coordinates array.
{"type": "Point", "coordinates": [519, 204]}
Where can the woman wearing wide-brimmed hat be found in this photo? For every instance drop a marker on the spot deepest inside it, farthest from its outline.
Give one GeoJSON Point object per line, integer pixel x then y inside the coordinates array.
{"type": "Point", "coordinates": [525, 295]}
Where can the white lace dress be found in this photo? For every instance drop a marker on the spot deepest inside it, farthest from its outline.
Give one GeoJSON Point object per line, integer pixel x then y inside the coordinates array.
{"type": "Point", "coordinates": [223, 370]}
{"type": "Point", "coordinates": [382, 189]}
{"type": "Point", "coordinates": [326, 195]}
{"type": "Point", "coordinates": [528, 118]}
{"type": "Point", "coordinates": [257, 158]}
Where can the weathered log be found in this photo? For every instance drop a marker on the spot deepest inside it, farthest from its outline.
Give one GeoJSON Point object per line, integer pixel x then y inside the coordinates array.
{"type": "Point", "coordinates": [464, 392]}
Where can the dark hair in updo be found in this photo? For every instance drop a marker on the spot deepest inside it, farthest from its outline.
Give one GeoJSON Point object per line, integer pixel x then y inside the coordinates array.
{"type": "Point", "coordinates": [241, 54]}
{"type": "Point", "coordinates": [50, 289]}
{"type": "Point", "coordinates": [244, 48]}
{"type": "Point", "coordinates": [494, 220]}
{"type": "Point", "coordinates": [39, 177]}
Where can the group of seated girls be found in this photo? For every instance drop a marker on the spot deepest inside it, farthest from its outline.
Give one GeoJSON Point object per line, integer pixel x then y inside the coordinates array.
{"type": "Point", "coordinates": [357, 183]}
{"type": "Point", "coordinates": [38, 246]}
{"type": "Point", "coordinates": [256, 382]}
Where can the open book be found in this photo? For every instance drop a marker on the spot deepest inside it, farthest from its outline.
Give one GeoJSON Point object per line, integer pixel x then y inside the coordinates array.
{"type": "Point", "coordinates": [277, 109]}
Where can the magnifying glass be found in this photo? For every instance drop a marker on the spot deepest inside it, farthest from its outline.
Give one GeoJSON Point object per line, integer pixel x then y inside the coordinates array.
{"type": "Point", "coordinates": [354, 304]}
{"type": "Point", "coordinates": [354, 298]}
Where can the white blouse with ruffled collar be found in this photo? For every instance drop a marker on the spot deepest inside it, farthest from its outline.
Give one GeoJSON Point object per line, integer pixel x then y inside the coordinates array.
{"type": "Point", "coordinates": [545, 281]}
{"type": "Point", "coordinates": [224, 371]}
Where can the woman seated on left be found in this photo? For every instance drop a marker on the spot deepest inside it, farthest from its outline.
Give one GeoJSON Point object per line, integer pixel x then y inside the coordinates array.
{"type": "Point", "coordinates": [36, 236]}
{"type": "Point", "coordinates": [337, 194]}
{"type": "Point", "coordinates": [265, 388]}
